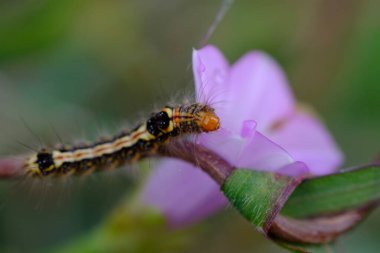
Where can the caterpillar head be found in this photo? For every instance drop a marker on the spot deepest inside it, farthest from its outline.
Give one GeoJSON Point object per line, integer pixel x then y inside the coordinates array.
{"type": "Point", "coordinates": [194, 118]}
{"type": "Point", "coordinates": [207, 120]}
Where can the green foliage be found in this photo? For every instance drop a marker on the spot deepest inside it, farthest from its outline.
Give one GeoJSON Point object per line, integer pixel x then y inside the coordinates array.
{"type": "Point", "coordinates": [335, 193]}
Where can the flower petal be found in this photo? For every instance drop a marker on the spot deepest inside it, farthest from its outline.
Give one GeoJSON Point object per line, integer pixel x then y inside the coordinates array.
{"type": "Point", "coordinates": [182, 192]}
{"type": "Point", "coordinates": [258, 90]}
{"type": "Point", "coordinates": [295, 169]}
{"type": "Point", "coordinates": [260, 153]}
{"type": "Point", "coordinates": [254, 152]}
{"type": "Point", "coordinates": [224, 143]}
{"type": "Point", "coordinates": [210, 72]}
{"type": "Point", "coordinates": [308, 140]}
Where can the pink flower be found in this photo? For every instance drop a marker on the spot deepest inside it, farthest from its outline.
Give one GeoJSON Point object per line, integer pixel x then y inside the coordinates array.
{"type": "Point", "coordinates": [260, 121]}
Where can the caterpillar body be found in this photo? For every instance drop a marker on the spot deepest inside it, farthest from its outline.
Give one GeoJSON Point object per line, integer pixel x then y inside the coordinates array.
{"type": "Point", "coordinates": [131, 146]}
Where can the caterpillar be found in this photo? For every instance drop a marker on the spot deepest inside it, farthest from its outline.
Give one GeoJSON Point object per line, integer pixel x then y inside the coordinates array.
{"type": "Point", "coordinates": [142, 141]}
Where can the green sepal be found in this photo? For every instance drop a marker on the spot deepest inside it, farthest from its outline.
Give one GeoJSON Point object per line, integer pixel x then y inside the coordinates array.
{"type": "Point", "coordinates": [258, 196]}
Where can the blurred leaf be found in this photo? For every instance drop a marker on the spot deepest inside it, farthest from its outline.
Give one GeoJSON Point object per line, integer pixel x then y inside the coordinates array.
{"type": "Point", "coordinates": [362, 101]}
{"type": "Point", "coordinates": [335, 193]}
{"type": "Point", "coordinates": [36, 27]}
{"type": "Point", "coordinates": [328, 248]}
{"type": "Point", "coordinates": [131, 229]}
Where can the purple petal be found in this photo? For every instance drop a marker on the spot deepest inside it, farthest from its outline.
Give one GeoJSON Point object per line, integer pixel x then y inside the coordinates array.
{"type": "Point", "coordinates": [251, 150]}
{"type": "Point", "coordinates": [210, 72]}
{"type": "Point", "coordinates": [257, 90]}
{"type": "Point", "coordinates": [296, 169]}
{"type": "Point", "coordinates": [225, 144]}
{"type": "Point", "coordinates": [308, 140]}
{"type": "Point", "coordinates": [248, 129]}
{"type": "Point", "coordinates": [260, 153]}
{"type": "Point", "coordinates": [182, 192]}
{"type": "Point", "coordinates": [254, 152]}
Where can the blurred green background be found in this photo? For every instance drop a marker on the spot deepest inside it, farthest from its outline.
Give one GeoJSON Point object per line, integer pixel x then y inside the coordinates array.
{"type": "Point", "coordinates": [83, 68]}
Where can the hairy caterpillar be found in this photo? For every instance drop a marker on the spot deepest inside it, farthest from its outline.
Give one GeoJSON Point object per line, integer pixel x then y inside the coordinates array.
{"type": "Point", "coordinates": [131, 146]}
